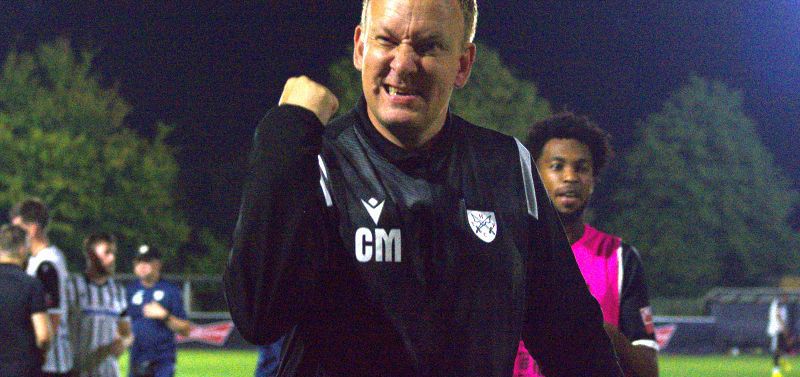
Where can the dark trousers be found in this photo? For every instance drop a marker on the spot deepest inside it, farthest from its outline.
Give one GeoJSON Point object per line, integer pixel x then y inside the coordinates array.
{"type": "Point", "coordinates": [781, 347]}
{"type": "Point", "coordinates": [68, 374]}
{"type": "Point", "coordinates": [154, 368]}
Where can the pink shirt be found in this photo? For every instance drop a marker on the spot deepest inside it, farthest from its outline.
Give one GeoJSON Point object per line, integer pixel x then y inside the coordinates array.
{"type": "Point", "coordinates": [596, 254]}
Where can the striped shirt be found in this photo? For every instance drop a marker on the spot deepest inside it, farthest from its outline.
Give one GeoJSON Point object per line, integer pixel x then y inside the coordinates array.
{"type": "Point", "coordinates": [95, 311]}
{"type": "Point", "coordinates": [49, 266]}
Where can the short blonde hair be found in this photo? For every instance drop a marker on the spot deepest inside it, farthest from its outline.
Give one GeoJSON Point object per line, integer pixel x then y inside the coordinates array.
{"type": "Point", "coordinates": [469, 8]}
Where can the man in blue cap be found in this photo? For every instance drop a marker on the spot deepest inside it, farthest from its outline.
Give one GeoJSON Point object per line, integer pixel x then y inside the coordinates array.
{"type": "Point", "coordinates": [156, 310]}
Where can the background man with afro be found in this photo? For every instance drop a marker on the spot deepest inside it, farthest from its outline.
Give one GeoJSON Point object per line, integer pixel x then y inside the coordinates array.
{"type": "Point", "coordinates": [570, 152]}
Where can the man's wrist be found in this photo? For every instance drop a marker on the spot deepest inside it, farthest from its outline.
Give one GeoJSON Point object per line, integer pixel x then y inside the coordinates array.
{"type": "Point", "coordinates": [166, 317]}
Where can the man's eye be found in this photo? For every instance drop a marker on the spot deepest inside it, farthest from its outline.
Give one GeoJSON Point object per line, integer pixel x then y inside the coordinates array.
{"type": "Point", "coordinates": [384, 41]}
{"type": "Point", "coordinates": [428, 48]}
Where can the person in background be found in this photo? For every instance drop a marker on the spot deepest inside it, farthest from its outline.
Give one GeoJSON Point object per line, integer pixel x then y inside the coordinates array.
{"type": "Point", "coordinates": [778, 331]}
{"type": "Point", "coordinates": [156, 311]}
{"type": "Point", "coordinates": [25, 334]}
{"type": "Point", "coordinates": [570, 152]}
{"type": "Point", "coordinates": [97, 305]}
{"type": "Point", "coordinates": [47, 264]}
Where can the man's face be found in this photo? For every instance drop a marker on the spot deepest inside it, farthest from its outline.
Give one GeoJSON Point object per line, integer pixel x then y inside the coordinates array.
{"type": "Point", "coordinates": [27, 227]}
{"type": "Point", "coordinates": [147, 270]}
{"type": "Point", "coordinates": [104, 258]}
{"type": "Point", "coordinates": [411, 55]}
{"type": "Point", "coordinates": [567, 171]}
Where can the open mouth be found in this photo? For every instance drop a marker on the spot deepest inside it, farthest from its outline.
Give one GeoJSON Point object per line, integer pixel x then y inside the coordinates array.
{"type": "Point", "coordinates": [399, 92]}
{"type": "Point", "coordinates": [568, 197]}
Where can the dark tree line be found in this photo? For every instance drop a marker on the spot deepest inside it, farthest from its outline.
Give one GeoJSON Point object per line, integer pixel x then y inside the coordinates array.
{"type": "Point", "coordinates": [698, 193]}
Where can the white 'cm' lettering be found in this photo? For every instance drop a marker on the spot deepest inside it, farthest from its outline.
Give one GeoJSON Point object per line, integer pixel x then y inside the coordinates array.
{"type": "Point", "coordinates": [386, 246]}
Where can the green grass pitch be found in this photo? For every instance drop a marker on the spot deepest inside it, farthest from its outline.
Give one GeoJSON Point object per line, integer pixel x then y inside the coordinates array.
{"type": "Point", "coordinates": [197, 363]}
{"type": "Point", "coordinates": [208, 363]}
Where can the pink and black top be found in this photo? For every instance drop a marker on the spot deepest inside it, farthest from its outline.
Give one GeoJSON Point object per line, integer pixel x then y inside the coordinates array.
{"type": "Point", "coordinates": [613, 272]}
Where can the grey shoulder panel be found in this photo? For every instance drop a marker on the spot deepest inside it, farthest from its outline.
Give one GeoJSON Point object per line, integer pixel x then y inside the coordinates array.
{"type": "Point", "coordinates": [527, 179]}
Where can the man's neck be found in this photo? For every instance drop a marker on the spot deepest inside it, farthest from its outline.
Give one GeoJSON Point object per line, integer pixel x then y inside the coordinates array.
{"type": "Point", "coordinates": [149, 283]}
{"type": "Point", "coordinates": [38, 244]}
{"type": "Point", "coordinates": [574, 229]}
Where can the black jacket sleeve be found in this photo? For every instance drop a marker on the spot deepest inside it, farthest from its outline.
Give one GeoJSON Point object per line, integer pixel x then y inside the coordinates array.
{"type": "Point", "coordinates": [564, 325]}
{"type": "Point", "coordinates": [48, 275]}
{"type": "Point", "coordinates": [37, 302]}
{"type": "Point", "coordinates": [277, 253]}
{"type": "Point", "coordinates": [635, 315]}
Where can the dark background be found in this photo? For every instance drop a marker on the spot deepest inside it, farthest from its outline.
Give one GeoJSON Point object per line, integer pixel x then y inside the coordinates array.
{"type": "Point", "coordinates": [212, 70]}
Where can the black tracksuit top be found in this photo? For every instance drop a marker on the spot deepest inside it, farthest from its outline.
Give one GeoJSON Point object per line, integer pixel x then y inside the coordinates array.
{"type": "Point", "coordinates": [385, 262]}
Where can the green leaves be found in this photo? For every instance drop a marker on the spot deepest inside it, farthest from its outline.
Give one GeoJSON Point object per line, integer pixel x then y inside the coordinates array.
{"type": "Point", "coordinates": [63, 139]}
{"type": "Point", "coordinates": [702, 198]}
{"type": "Point", "coordinates": [494, 98]}
{"type": "Point", "coordinates": [698, 194]}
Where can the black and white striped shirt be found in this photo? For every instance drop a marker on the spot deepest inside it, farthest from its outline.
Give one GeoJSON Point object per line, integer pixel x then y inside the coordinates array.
{"type": "Point", "coordinates": [94, 314]}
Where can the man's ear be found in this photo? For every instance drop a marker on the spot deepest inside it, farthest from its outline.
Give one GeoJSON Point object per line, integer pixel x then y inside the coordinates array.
{"type": "Point", "coordinates": [465, 62]}
{"type": "Point", "coordinates": [359, 41]}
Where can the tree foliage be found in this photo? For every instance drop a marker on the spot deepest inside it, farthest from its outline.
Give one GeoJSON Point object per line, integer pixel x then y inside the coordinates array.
{"type": "Point", "coordinates": [63, 139]}
{"type": "Point", "coordinates": [702, 198]}
{"type": "Point", "coordinates": [494, 97]}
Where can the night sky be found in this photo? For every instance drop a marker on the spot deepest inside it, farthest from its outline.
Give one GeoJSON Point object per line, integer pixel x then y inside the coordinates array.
{"type": "Point", "coordinates": [214, 69]}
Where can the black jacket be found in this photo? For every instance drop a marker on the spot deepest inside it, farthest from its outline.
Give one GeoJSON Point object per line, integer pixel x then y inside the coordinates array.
{"type": "Point", "coordinates": [386, 262]}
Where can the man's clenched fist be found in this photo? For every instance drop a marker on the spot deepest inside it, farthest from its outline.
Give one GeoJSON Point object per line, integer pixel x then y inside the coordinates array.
{"type": "Point", "coordinates": [304, 92]}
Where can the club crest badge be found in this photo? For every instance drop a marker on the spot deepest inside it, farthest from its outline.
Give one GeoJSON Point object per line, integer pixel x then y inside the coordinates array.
{"type": "Point", "coordinates": [483, 224]}
{"type": "Point", "coordinates": [138, 297]}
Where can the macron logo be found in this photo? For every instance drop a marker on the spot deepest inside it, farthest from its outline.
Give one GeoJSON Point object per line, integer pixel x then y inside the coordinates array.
{"type": "Point", "coordinates": [373, 208]}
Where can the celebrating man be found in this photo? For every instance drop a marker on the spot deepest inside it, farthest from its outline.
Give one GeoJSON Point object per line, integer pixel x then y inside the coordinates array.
{"type": "Point", "coordinates": [402, 240]}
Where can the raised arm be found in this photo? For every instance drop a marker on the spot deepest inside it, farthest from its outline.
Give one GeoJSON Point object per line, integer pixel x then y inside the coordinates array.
{"type": "Point", "coordinates": [277, 253]}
